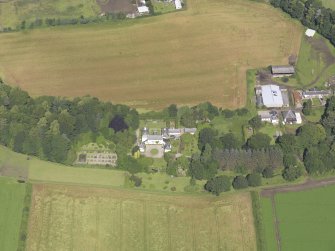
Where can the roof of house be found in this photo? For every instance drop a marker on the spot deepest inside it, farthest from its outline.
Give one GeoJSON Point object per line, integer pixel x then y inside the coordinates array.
{"type": "Point", "coordinates": [178, 4]}
{"type": "Point", "coordinates": [175, 131]}
{"type": "Point", "coordinates": [297, 96]}
{"type": "Point", "coordinates": [190, 130]}
{"type": "Point", "coordinates": [284, 69]}
{"type": "Point", "coordinates": [272, 96]}
{"type": "Point", "coordinates": [310, 33]}
{"type": "Point", "coordinates": [264, 114]}
{"type": "Point", "coordinates": [155, 137]}
{"type": "Point", "coordinates": [289, 115]}
{"type": "Point", "coordinates": [315, 92]}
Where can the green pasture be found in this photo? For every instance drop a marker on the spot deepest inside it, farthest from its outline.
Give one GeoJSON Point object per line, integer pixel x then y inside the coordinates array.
{"type": "Point", "coordinates": [13, 12]}
{"type": "Point", "coordinates": [307, 219]}
{"type": "Point", "coordinates": [314, 64]}
{"type": "Point", "coordinates": [11, 205]}
{"type": "Point", "coordinates": [329, 4]}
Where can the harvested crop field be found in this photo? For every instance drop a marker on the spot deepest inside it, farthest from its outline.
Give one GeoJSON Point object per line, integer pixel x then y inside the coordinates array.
{"type": "Point", "coordinates": [81, 218]}
{"type": "Point", "coordinates": [185, 57]}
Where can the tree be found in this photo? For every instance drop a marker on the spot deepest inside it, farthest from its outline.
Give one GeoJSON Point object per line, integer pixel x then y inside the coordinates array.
{"type": "Point", "coordinates": [206, 155]}
{"type": "Point", "coordinates": [288, 143]}
{"type": "Point", "coordinates": [240, 182]}
{"type": "Point", "coordinates": [307, 107]}
{"type": "Point", "coordinates": [292, 173]}
{"type": "Point", "coordinates": [228, 113]}
{"type": "Point", "coordinates": [289, 160]}
{"type": "Point", "coordinates": [310, 134]}
{"type": "Point", "coordinates": [173, 111]}
{"type": "Point", "coordinates": [207, 136]}
{"type": "Point", "coordinates": [230, 141]}
{"type": "Point", "coordinates": [187, 119]}
{"type": "Point", "coordinates": [254, 179]}
{"type": "Point", "coordinates": [267, 172]}
{"type": "Point", "coordinates": [259, 141]}
{"type": "Point", "coordinates": [255, 122]}
{"type": "Point", "coordinates": [136, 180]}
{"type": "Point", "coordinates": [218, 185]}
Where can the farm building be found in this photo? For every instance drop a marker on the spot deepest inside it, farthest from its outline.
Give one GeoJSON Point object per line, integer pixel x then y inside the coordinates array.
{"type": "Point", "coordinates": [269, 116]}
{"type": "Point", "coordinates": [291, 117]}
{"type": "Point", "coordinates": [297, 99]}
{"type": "Point", "coordinates": [176, 133]}
{"type": "Point", "coordinates": [315, 94]}
{"type": "Point", "coordinates": [310, 33]}
{"type": "Point", "coordinates": [272, 96]}
{"type": "Point", "coordinates": [178, 5]}
{"type": "Point", "coordinates": [282, 71]}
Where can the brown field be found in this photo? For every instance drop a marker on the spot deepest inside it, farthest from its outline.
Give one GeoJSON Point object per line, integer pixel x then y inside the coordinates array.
{"type": "Point", "coordinates": [81, 218]}
{"type": "Point", "coordinates": [186, 57]}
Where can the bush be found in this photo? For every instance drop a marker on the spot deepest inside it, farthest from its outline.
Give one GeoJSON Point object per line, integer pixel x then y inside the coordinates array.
{"type": "Point", "coordinates": [292, 173]}
{"type": "Point", "coordinates": [254, 179]}
{"type": "Point", "coordinates": [240, 182]}
{"type": "Point", "coordinates": [289, 160]}
{"type": "Point", "coordinates": [228, 113]}
{"type": "Point", "coordinates": [267, 172]}
{"type": "Point", "coordinates": [218, 184]}
{"type": "Point", "coordinates": [136, 180]}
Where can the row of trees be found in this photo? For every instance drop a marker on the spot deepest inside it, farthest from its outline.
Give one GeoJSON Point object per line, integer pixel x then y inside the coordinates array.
{"type": "Point", "coordinates": [312, 14]}
{"type": "Point", "coordinates": [50, 127]}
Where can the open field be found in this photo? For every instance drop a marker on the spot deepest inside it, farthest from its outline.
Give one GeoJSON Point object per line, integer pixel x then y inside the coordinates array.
{"type": "Point", "coordinates": [185, 57]}
{"type": "Point", "coordinates": [299, 217]}
{"type": "Point", "coordinates": [13, 12]}
{"type": "Point", "coordinates": [76, 218]}
{"type": "Point", "coordinates": [329, 4]}
{"type": "Point", "coordinates": [307, 219]}
{"type": "Point", "coordinates": [11, 205]}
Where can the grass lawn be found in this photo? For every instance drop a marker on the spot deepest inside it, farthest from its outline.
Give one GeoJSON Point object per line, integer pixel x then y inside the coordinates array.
{"type": "Point", "coordinates": [12, 13]}
{"type": "Point", "coordinates": [81, 218]}
{"type": "Point", "coordinates": [316, 61]}
{"type": "Point", "coordinates": [234, 125]}
{"type": "Point", "coordinates": [316, 114]}
{"type": "Point", "coordinates": [11, 205]}
{"type": "Point", "coordinates": [184, 57]}
{"type": "Point", "coordinates": [270, 130]}
{"type": "Point", "coordinates": [161, 7]}
{"type": "Point", "coordinates": [329, 4]}
{"type": "Point", "coordinates": [307, 219]}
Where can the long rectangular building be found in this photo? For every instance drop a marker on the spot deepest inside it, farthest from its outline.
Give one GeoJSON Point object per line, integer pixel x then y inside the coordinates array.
{"type": "Point", "coordinates": [272, 96]}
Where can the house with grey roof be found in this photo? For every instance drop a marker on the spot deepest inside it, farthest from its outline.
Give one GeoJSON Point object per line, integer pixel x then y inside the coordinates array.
{"type": "Point", "coordinates": [282, 71]}
{"type": "Point", "coordinates": [313, 93]}
{"type": "Point", "coordinates": [291, 117]}
{"type": "Point", "coordinates": [269, 116]}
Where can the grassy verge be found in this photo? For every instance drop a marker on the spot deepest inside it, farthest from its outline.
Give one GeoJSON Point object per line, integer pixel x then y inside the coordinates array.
{"type": "Point", "coordinates": [25, 219]}
{"type": "Point", "coordinates": [258, 220]}
{"type": "Point", "coordinates": [268, 225]}
{"type": "Point", "coordinates": [251, 80]}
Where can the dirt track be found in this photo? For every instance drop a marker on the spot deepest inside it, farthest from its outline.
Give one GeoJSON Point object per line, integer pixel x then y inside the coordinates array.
{"type": "Point", "coordinates": [309, 184]}
{"type": "Point", "coordinates": [271, 192]}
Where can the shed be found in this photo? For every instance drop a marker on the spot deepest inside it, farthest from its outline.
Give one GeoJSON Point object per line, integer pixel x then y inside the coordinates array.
{"type": "Point", "coordinates": [143, 9]}
{"type": "Point", "coordinates": [310, 33]}
{"type": "Point", "coordinates": [178, 5]}
{"type": "Point", "coordinates": [282, 71]}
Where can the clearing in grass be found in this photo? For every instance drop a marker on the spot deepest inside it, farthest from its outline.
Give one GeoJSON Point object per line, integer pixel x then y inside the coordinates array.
{"type": "Point", "coordinates": [184, 57]}
{"type": "Point", "coordinates": [12, 196]}
{"type": "Point", "coordinates": [104, 219]}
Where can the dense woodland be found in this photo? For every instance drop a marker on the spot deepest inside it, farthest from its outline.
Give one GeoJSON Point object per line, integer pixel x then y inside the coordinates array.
{"type": "Point", "coordinates": [312, 14]}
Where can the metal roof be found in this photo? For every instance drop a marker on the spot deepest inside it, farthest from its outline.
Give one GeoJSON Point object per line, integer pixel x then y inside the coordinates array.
{"type": "Point", "coordinates": [272, 96]}
{"type": "Point", "coordinates": [288, 69]}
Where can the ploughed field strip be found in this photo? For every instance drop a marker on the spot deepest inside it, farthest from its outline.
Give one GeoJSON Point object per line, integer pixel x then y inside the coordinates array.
{"type": "Point", "coordinates": [200, 54]}
{"type": "Point", "coordinates": [82, 218]}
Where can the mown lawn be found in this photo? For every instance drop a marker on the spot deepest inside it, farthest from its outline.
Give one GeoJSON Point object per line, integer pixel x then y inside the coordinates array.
{"type": "Point", "coordinates": [11, 205]}
{"type": "Point", "coordinates": [329, 4]}
{"type": "Point", "coordinates": [307, 220]}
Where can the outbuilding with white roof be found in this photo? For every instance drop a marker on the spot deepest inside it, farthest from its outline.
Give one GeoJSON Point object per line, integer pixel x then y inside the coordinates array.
{"type": "Point", "coordinates": [272, 96]}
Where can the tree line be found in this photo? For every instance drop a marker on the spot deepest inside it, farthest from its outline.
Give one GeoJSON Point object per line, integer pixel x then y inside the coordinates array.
{"type": "Point", "coordinates": [312, 14]}
{"type": "Point", "coordinates": [50, 127]}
